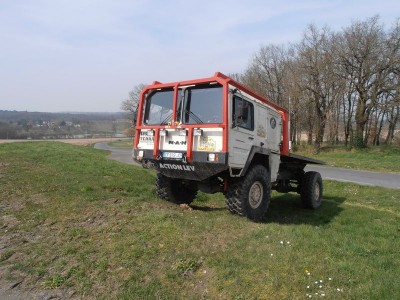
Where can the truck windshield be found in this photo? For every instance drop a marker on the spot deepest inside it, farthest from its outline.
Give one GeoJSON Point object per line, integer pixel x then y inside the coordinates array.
{"type": "Point", "coordinates": [202, 104]}
{"type": "Point", "coordinates": [196, 105]}
{"type": "Point", "coordinates": [159, 107]}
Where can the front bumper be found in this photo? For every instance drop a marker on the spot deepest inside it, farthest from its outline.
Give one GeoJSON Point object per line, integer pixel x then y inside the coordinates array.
{"type": "Point", "coordinates": [199, 169]}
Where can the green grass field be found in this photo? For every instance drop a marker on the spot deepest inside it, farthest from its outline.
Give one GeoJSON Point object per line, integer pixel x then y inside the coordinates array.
{"type": "Point", "coordinates": [72, 219]}
{"type": "Point", "coordinates": [384, 159]}
{"type": "Point", "coordinates": [122, 144]}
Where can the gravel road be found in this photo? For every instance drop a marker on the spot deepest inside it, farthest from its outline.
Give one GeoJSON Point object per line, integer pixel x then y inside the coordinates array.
{"type": "Point", "coordinates": [119, 154]}
{"type": "Point", "coordinates": [388, 180]}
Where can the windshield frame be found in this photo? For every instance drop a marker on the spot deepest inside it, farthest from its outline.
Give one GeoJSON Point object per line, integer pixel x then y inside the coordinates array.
{"type": "Point", "coordinates": [210, 110]}
{"type": "Point", "coordinates": [148, 106]}
{"type": "Point", "coordinates": [204, 98]}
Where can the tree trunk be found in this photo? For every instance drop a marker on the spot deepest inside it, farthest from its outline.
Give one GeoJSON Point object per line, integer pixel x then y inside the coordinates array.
{"type": "Point", "coordinates": [310, 132]}
{"type": "Point", "coordinates": [319, 136]}
{"type": "Point", "coordinates": [392, 125]}
{"type": "Point", "coordinates": [360, 123]}
{"type": "Point", "coordinates": [320, 128]}
{"type": "Point", "coordinates": [337, 122]}
{"type": "Point", "coordinates": [309, 137]}
{"type": "Point", "coordinates": [367, 129]}
{"type": "Point", "coordinates": [378, 142]}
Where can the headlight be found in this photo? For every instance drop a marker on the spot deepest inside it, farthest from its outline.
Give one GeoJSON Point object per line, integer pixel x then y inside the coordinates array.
{"type": "Point", "coordinates": [163, 133]}
{"type": "Point", "coordinates": [212, 157]}
{"type": "Point", "coordinates": [183, 132]}
{"type": "Point", "coordinates": [140, 155]}
{"type": "Point", "coordinates": [150, 132]}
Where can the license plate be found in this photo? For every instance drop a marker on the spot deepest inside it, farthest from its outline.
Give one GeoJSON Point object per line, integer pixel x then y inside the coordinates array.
{"type": "Point", "coordinates": [174, 155]}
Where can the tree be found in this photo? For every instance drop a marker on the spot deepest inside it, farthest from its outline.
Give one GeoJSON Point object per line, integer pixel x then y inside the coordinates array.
{"type": "Point", "coordinates": [393, 87]}
{"type": "Point", "coordinates": [267, 73]}
{"type": "Point", "coordinates": [130, 105]}
{"type": "Point", "coordinates": [335, 80]}
{"type": "Point", "coordinates": [363, 59]}
{"type": "Point", "coordinates": [8, 131]}
{"type": "Point", "coordinates": [317, 76]}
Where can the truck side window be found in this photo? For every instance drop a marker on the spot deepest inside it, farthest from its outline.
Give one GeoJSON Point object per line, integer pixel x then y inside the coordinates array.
{"type": "Point", "coordinates": [243, 113]}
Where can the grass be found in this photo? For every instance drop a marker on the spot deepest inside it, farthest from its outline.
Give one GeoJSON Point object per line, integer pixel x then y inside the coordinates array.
{"type": "Point", "coordinates": [385, 159]}
{"type": "Point", "coordinates": [72, 219]}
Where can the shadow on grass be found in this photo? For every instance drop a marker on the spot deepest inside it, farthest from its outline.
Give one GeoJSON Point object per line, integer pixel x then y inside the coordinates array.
{"type": "Point", "coordinates": [207, 208]}
{"type": "Point", "coordinates": [287, 209]}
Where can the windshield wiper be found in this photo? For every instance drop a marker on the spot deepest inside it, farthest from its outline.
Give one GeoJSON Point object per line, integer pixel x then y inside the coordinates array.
{"type": "Point", "coordinates": [196, 118]}
{"type": "Point", "coordinates": [165, 121]}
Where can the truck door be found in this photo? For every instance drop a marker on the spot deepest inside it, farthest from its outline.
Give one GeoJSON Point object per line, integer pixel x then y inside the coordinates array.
{"type": "Point", "coordinates": [241, 137]}
{"type": "Point", "coordinates": [261, 126]}
{"type": "Point", "coordinates": [274, 130]}
{"type": "Point", "coordinates": [268, 128]}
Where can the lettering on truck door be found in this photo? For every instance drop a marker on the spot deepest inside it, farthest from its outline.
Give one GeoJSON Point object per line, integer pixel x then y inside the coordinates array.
{"type": "Point", "coordinates": [261, 127]}
{"type": "Point", "coordinates": [242, 135]}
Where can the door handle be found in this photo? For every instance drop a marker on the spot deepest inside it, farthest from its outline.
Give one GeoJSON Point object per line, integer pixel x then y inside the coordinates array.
{"type": "Point", "coordinates": [251, 138]}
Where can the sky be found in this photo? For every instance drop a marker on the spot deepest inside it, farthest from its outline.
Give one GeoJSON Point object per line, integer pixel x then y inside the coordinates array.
{"type": "Point", "coordinates": [86, 55]}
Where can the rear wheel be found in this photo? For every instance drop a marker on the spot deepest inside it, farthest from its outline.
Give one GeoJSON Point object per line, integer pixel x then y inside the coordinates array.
{"type": "Point", "coordinates": [250, 196]}
{"type": "Point", "coordinates": [311, 190]}
{"type": "Point", "coordinates": [175, 190]}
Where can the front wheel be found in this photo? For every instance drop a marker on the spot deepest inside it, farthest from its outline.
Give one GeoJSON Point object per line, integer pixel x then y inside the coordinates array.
{"type": "Point", "coordinates": [250, 196]}
{"type": "Point", "coordinates": [311, 190]}
{"type": "Point", "coordinates": [175, 190]}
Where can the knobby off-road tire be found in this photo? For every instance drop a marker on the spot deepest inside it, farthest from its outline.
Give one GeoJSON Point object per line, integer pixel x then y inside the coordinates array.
{"type": "Point", "coordinates": [311, 190]}
{"type": "Point", "coordinates": [250, 196]}
{"type": "Point", "coordinates": [175, 190]}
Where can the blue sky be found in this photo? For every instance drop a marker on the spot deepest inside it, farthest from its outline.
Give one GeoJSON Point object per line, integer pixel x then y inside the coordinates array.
{"type": "Point", "coordinates": [86, 55]}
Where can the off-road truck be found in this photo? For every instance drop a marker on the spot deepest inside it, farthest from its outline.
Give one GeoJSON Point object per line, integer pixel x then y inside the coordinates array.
{"type": "Point", "coordinates": [216, 135]}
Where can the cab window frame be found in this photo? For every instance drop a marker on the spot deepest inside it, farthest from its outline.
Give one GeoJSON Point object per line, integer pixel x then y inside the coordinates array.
{"type": "Point", "coordinates": [245, 105]}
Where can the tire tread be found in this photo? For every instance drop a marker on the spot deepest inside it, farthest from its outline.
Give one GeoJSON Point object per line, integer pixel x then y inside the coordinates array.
{"type": "Point", "coordinates": [307, 190]}
{"type": "Point", "coordinates": [165, 190]}
{"type": "Point", "coordinates": [237, 194]}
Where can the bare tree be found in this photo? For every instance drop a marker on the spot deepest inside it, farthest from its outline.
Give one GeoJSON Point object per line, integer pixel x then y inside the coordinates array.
{"type": "Point", "coordinates": [235, 76]}
{"type": "Point", "coordinates": [393, 111]}
{"type": "Point", "coordinates": [334, 80]}
{"type": "Point", "coordinates": [317, 76]}
{"type": "Point", "coordinates": [362, 59]}
{"type": "Point", "coordinates": [393, 82]}
{"type": "Point", "coordinates": [267, 73]}
{"type": "Point", "coordinates": [130, 105]}
{"type": "Point", "coordinates": [347, 110]}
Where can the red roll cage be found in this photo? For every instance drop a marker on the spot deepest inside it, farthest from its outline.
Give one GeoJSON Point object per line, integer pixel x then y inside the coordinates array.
{"type": "Point", "coordinates": [225, 81]}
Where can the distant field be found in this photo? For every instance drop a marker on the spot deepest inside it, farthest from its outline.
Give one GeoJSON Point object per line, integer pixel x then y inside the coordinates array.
{"type": "Point", "coordinates": [73, 220]}
{"type": "Point", "coordinates": [385, 159]}
{"type": "Point", "coordinates": [36, 125]}
{"type": "Point", "coordinates": [67, 141]}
